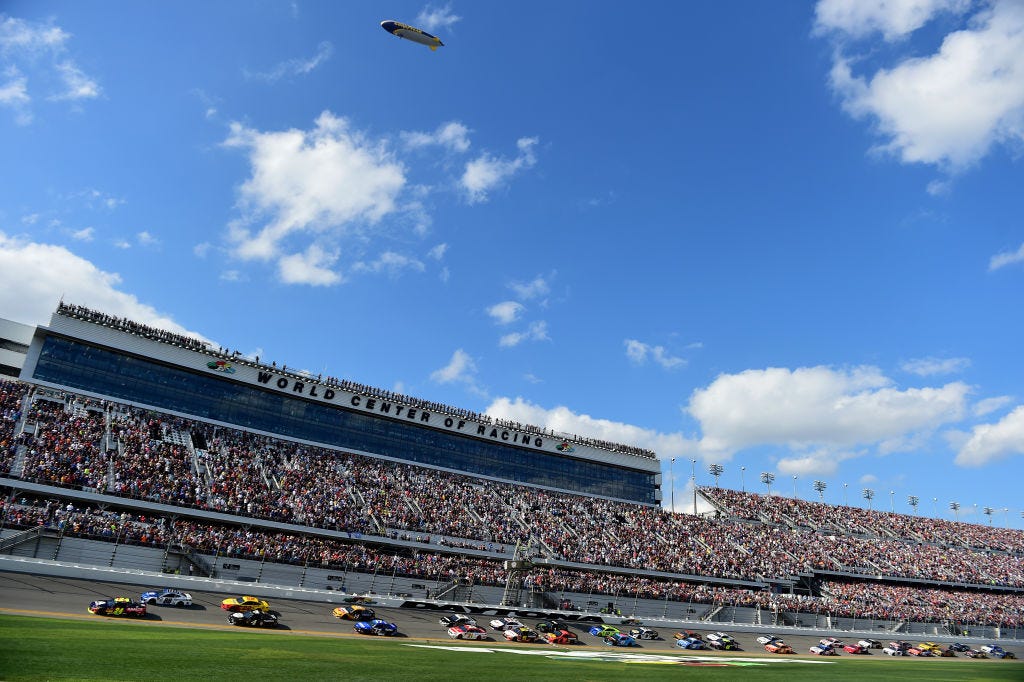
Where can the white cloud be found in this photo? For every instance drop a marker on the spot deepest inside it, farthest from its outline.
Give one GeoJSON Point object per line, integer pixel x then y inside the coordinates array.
{"type": "Point", "coordinates": [453, 136]}
{"type": "Point", "coordinates": [35, 276]}
{"type": "Point", "coordinates": [893, 20]}
{"type": "Point", "coordinates": [819, 463]}
{"type": "Point", "coordinates": [437, 252]}
{"type": "Point", "coordinates": [816, 407]}
{"type": "Point", "coordinates": [949, 108]}
{"type": "Point", "coordinates": [460, 369]}
{"type": "Point", "coordinates": [638, 352]}
{"type": "Point", "coordinates": [146, 239]}
{"type": "Point", "coordinates": [391, 263]}
{"type": "Point", "coordinates": [538, 287]}
{"type": "Point", "coordinates": [77, 85]}
{"type": "Point", "coordinates": [487, 172]}
{"type": "Point", "coordinates": [991, 442]}
{"type": "Point", "coordinates": [564, 420]}
{"type": "Point", "coordinates": [315, 186]}
{"type": "Point", "coordinates": [37, 53]}
{"type": "Point", "coordinates": [84, 235]}
{"type": "Point", "coordinates": [202, 249]}
{"type": "Point", "coordinates": [231, 276]}
{"type": "Point", "coordinates": [506, 312]}
{"type": "Point", "coordinates": [990, 405]}
{"type": "Point", "coordinates": [1001, 260]}
{"type": "Point", "coordinates": [295, 67]}
{"type": "Point", "coordinates": [868, 479]}
{"type": "Point", "coordinates": [122, 244]}
{"type": "Point", "coordinates": [927, 367]}
{"type": "Point", "coordinates": [433, 18]}
{"type": "Point", "coordinates": [537, 331]}
{"type": "Point", "coordinates": [312, 267]}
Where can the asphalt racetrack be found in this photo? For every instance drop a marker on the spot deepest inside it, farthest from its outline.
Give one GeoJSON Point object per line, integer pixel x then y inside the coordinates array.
{"type": "Point", "coordinates": [55, 597]}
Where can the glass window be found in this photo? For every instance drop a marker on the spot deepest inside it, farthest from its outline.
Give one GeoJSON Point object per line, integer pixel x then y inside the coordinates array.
{"type": "Point", "coordinates": [124, 377]}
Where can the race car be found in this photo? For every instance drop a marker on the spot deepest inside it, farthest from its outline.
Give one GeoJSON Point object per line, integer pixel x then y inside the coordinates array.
{"type": "Point", "coordinates": [561, 637]}
{"type": "Point", "coordinates": [720, 640]}
{"type": "Point", "coordinates": [546, 626]}
{"type": "Point", "coordinates": [243, 604]}
{"type": "Point", "coordinates": [118, 606]}
{"type": "Point", "coordinates": [466, 632]}
{"type": "Point", "coordinates": [823, 651]}
{"type": "Point", "coordinates": [353, 612]}
{"type": "Point", "coordinates": [644, 633]}
{"type": "Point", "coordinates": [166, 597]}
{"type": "Point", "coordinates": [688, 634]}
{"type": "Point", "coordinates": [377, 626]}
{"type": "Point", "coordinates": [975, 653]}
{"type": "Point", "coordinates": [947, 653]}
{"type": "Point", "coordinates": [855, 649]}
{"type": "Point", "coordinates": [959, 648]}
{"type": "Point", "coordinates": [870, 643]}
{"type": "Point", "coordinates": [689, 643]}
{"type": "Point", "coordinates": [456, 619]}
{"type": "Point", "coordinates": [931, 647]}
{"type": "Point", "coordinates": [900, 644]}
{"type": "Point", "coordinates": [831, 641]}
{"type": "Point", "coordinates": [505, 623]}
{"type": "Point", "coordinates": [619, 639]}
{"type": "Point", "coordinates": [778, 647]}
{"type": "Point", "coordinates": [604, 631]}
{"type": "Point", "coordinates": [893, 651]}
{"type": "Point", "coordinates": [767, 639]}
{"type": "Point", "coordinates": [520, 634]}
{"type": "Point", "coordinates": [996, 651]}
{"type": "Point", "coordinates": [914, 651]}
{"type": "Point", "coordinates": [253, 619]}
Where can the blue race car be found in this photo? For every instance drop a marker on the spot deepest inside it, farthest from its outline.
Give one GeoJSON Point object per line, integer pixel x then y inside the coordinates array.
{"type": "Point", "coordinates": [996, 651]}
{"type": "Point", "coordinates": [620, 639]}
{"type": "Point", "coordinates": [376, 626]}
{"type": "Point", "coordinates": [689, 643]}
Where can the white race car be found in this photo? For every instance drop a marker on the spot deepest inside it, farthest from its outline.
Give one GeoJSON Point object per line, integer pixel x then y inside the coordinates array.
{"type": "Point", "coordinates": [892, 651]}
{"type": "Point", "coordinates": [644, 633]}
{"type": "Point", "coordinates": [505, 624]}
{"type": "Point", "coordinates": [870, 643]}
{"type": "Point", "coordinates": [167, 598]}
{"type": "Point", "coordinates": [767, 639]}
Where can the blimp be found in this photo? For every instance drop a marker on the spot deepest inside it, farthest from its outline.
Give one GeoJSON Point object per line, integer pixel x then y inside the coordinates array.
{"type": "Point", "coordinates": [397, 28]}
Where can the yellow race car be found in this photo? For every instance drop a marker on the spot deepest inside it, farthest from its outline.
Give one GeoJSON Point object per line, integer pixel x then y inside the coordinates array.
{"type": "Point", "coordinates": [244, 604]}
{"type": "Point", "coordinates": [931, 647]}
{"type": "Point", "coordinates": [354, 612]}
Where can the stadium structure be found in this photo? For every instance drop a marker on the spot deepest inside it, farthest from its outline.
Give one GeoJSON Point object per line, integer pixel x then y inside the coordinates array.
{"type": "Point", "coordinates": [126, 446]}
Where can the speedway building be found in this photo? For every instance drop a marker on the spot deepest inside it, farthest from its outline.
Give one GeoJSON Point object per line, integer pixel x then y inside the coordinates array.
{"type": "Point", "coordinates": [105, 357]}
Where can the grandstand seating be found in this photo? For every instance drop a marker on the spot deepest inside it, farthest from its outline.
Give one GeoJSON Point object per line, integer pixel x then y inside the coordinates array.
{"type": "Point", "coordinates": [584, 544]}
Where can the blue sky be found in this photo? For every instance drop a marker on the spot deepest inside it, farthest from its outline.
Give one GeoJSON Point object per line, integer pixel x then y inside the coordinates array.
{"type": "Point", "coordinates": [779, 236]}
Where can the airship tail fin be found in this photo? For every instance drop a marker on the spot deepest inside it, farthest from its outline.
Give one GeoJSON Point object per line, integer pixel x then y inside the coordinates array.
{"type": "Point", "coordinates": [433, 48]}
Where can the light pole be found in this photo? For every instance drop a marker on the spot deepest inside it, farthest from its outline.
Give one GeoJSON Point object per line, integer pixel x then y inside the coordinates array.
{"type": "Point", "coordinates": [743, 482]}
{"type": "Point", "coordinates": [935, 506]}
{"type": "Point", "coordinates": [716, 471]}
{"type": "Point", "coordinates": [846, 486]}
{"type": "Point", "coordinates": [820, 486]}
{"type": "Point", "coordinates": [892, 501]}
{"type": "Point", "coordinates": [693, 482]}
{"type": "Point", "coordinates": [794, 486]}
{"type": "Point", "coordinates": [868, 495]}
{"type": "Point", "coordinates": [988, 512]}
{"type": "Point", "coordinates": [767, 477]}
{"type": "Point", "coordinates": [672, 476]}
{"type": "Point", "coordinates": [913, 500]}
{"type": "Point", "coordinates": [955, 506]}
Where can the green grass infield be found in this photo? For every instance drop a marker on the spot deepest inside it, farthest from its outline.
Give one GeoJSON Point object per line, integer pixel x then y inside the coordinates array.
{"type": "Point", "coordinates": [34, 648]}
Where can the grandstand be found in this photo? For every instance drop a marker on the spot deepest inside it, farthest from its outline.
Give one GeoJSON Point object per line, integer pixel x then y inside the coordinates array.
{"type": "Point", "coordinates": [123, 445]}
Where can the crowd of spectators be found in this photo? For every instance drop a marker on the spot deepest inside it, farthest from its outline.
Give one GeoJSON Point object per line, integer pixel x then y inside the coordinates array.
{"type": "Point", "coordinates": [12, 395]}
{"type": "Point", "coordinates": [118, 450]}
{"type": "Point", "coordinates": [845, 520]}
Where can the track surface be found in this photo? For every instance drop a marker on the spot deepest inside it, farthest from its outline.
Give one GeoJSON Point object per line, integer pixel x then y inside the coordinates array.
{"type": "Point", "coordinates": [34, 595]}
